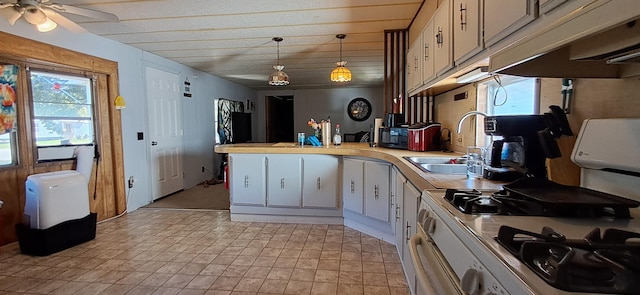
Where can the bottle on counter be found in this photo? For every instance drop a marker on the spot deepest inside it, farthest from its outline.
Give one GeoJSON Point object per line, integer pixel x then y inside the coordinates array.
{"type": "Point", "coordinates": [337, 138]}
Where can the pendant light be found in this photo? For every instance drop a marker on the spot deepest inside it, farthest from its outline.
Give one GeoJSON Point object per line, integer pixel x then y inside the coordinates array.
{"type": "Point", "coordinates": [341, 73]}
{"type": "Point", "coordinates": [278, 78]}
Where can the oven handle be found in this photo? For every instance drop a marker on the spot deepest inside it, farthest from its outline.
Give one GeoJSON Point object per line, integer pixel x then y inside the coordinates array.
{"type": "Point", "coordinates": [441, 273]}
{"type": "Point", "coordinates": [421, 275]}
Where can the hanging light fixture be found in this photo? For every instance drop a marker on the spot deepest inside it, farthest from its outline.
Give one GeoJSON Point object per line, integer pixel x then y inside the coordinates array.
{"type": "Point", "coordinates": [278, 78]}
{"type": "Point", "coordinates": [341, 73]}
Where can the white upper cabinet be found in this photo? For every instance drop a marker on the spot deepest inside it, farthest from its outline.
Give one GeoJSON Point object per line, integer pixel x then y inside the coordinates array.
{"type": "Point", "coordinates": [443, 49]}
{"type": "Point", "coordinates": [248, 181]}
{"type": "Point", "coordinates": [428, 40]}
{"type": "Point", "coordinates": [503, 17]}
{"type": "Point", "coordinates": [320, 181]}
{"type": "Point", "coordinates": [414, 65]}
{"type": "Point", "coordinates": [467, 29]}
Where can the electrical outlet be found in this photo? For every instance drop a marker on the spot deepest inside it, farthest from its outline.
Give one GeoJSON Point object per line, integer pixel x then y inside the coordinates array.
{"type": "Point", "coordinates": [460, 140]}
{"type": "Point", "coordinates": [131, 181]}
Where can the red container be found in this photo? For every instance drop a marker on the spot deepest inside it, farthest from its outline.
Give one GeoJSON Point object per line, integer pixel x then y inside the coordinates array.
{"type": "Point", "coordinates": [424, 137]}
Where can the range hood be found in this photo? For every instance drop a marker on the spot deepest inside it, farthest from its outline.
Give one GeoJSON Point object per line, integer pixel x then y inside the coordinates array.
{"type": "Point", "coordinates": [598, 40]}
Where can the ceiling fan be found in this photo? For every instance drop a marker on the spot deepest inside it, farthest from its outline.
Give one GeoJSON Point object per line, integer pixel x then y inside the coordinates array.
{"type": "Point", "coordinates": [46, 15]}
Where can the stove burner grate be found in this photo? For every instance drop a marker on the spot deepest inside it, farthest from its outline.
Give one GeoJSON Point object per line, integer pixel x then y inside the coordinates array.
{"type": "Point", "coordinates": [600, 264]}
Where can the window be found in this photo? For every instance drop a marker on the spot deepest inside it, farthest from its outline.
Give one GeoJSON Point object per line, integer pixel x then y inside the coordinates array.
{"type": "Point", "coordinates": [506, 95]}
{"type": "Point", "coordinates": [62, 113]}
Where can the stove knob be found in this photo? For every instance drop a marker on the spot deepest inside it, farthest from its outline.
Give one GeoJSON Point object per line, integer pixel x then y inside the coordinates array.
{"type": "Point", "coordinates": [470, 281]}
{"type": "Point", "coordinates": [429, 224]}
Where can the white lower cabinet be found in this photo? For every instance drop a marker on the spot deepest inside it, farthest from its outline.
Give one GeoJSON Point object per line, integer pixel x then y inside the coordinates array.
{"type": "Point", "coordinates": [283, 180]}
{"type": "Point", "coordinates": [411, 199]}
{"type": "Point", "coordinates": [376, 190]}
{"type": "Point", "coordinates": [320, 181]}
{"type": "Point", "coordinates": [365, 188]}
{"type": "Point", "coordinates": [398, 195]}
{"type": "Point", "coordinates": [353, 184]}
{"type": "Point", "coordinates": [247, 179]}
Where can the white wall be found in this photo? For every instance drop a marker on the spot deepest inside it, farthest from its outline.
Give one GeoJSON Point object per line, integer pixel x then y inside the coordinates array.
{"type": "Point", "coordinates": [197, 112]}
{"type": "Point", "coordinates": [320, 104]}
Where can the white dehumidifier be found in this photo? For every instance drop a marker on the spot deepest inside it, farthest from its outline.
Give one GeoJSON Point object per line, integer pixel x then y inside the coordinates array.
{"type": "Point", "coordinates": [55, 197]}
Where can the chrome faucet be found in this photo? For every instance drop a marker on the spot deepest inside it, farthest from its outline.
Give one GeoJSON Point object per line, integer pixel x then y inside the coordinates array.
{"type": "Point", "coordinates": [469, 114]}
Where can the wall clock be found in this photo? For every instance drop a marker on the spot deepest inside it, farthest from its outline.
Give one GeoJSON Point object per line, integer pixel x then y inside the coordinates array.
{"type": "Point", "coordinates": [359, 109]}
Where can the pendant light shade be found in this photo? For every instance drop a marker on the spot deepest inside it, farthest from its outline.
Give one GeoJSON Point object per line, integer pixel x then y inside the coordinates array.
{"type": "Point", "coordinates": [279, 77]}
{"type": "Point", "coordinates": [341, 73]}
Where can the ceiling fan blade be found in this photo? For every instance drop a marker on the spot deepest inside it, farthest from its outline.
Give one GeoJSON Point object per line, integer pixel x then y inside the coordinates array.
{"type": "Point", "coordinates": [11, 14]}
{"type": "Point", "coordinates": [99, 15]}
{"type": "Point", "coordinates": [63, 21]}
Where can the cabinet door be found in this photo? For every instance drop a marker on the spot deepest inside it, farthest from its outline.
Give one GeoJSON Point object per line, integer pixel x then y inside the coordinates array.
{"type": "Point", "coordinates": [428, 40]}
{"type": "Point", "coordinates": [411, 197]}
{"type": "Point", "coordinates": [467, 39]}
{"type": "Point", "coordinates": [283, 180]}
{"type": "Point", "coordinates": [443, 60]}
{"type": "Point", "coordinates": [414, 74]}
{"type": "Point", "coordinates": [247, 179]}
{"type": "Point", "coordinates": [320, 181]}
{"type": "Point", "coordinates": [376, 190]}
{"type": "Point", "coordinates": [352, 184]}
{"type": "Point", "coordinates": [398, 209]}
{"type": "Point", "coordinates": [503, 17]}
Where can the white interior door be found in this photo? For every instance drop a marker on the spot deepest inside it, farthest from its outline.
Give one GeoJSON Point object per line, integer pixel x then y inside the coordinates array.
{"type": "Point", "coordinates": [165, 132]}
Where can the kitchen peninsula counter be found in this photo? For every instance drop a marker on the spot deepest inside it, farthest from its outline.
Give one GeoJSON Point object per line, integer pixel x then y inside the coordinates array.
{"type": "Point", "coordinates": [420, 179]}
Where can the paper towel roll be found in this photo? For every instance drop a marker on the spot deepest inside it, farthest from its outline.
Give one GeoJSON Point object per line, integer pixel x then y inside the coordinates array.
{"type": "Point", "coordinates": [84, 155]}
{"type": "Point", "coordinates": [376, 129]}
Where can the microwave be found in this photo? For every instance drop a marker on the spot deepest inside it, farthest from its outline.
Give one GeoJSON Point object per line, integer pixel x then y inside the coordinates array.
{"type": "Point", "coordinates": [393, 137]}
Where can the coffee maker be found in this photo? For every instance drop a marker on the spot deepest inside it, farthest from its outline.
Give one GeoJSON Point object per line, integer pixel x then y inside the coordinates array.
{"type": "Point", "coordinates": [527, 141]}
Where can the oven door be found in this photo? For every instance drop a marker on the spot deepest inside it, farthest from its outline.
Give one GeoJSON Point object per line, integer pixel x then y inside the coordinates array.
{"type": "Point", "coordinates": [434, 276]}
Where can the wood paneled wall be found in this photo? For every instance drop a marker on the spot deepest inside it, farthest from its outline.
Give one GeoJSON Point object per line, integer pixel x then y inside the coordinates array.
{"type": "Point", "coordinates": [108, 173]}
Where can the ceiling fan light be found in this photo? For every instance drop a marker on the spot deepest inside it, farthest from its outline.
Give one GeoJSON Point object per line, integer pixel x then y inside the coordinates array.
{"type": "Point", "coordinates": [35, 16]}
{"type": "Point", "coordinates": [341, 73]}
{"type": "Point", "coordinates": [47, 26]}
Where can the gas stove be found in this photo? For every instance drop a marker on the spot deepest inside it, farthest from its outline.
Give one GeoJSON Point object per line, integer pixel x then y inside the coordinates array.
{"type": "Point", "coordinates": [541, 197]}
{"type": "Point", "coordinates": [540, 237]}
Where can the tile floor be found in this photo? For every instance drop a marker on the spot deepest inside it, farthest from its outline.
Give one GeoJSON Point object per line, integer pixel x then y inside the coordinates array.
{"type": "Point", "coordinates": [158, 251]}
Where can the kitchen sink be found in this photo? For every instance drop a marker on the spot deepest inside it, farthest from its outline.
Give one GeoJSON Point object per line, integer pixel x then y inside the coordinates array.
{"type": "Point", "coordinates": [439, 165]}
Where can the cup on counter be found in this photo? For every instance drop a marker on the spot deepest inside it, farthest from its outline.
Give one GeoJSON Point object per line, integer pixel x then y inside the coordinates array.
{"type": "Point", "coordinates": [301, 138]}
{"type": "Point", "coordinates": [475, 161]}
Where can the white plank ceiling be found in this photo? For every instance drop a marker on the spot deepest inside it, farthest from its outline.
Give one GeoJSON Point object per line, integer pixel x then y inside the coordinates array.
{"type": "Point", "coordinates": [233, 38]}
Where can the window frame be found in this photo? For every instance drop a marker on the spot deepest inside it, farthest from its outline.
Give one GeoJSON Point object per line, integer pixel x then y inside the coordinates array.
{"type": "Point", "coordinates": [62, 152]}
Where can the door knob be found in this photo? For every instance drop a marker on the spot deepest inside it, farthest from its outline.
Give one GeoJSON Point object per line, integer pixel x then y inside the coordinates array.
{"type": "Point", "coordinates": [154, 143]}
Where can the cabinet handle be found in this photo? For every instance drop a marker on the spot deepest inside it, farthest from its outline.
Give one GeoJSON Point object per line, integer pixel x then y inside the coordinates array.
{"type": "Point", "coordinates": [439, 40]}
{"type": "Point", "coordinates": [407, 231]}
{"type": "Point", "coordinates": [353, 188]}
{"type": "Point", "coordinates": [375, 191]}
{"type": "Point", "coordinates": [318, 183]}
{"type": "Point", "coordinates": [426, 51]}
{"type": "Point", "coordinates": [415, 63]}
{"type": "Point", "coordinates": [397, 213]}
{"type": "Point", "coordinates": [282, 183]}
{"type": "Point", "coordinates": [246, 181]}
{"type": "Point", "coordinates": [463, 17]}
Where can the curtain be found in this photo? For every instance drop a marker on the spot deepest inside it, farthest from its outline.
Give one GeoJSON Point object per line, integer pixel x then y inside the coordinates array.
{"type": "Point", "coordinates": [8, 77]}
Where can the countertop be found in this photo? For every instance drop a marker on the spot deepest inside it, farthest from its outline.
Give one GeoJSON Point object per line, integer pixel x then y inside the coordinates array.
{"type": "Point", "coordinates": [420, 179]}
